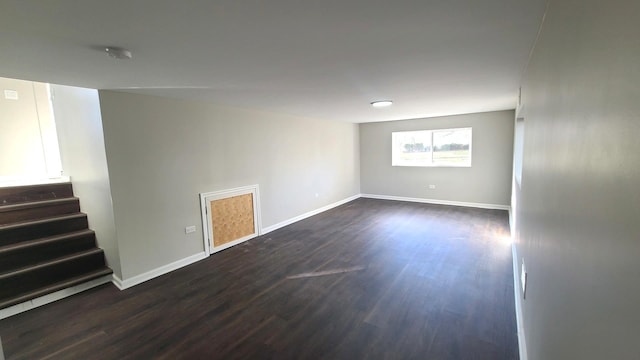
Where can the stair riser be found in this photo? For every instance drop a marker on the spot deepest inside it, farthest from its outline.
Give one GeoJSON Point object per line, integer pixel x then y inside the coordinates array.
{"type": "Point", "coordinates": [40, 212]}
{"type": "Point", "coordinates": [105, 271]}
{"type": "Point", "coordinates": [21, 283]}
{"type": "Point", "coordinates": [34, 231]}
{"type": "Point", "coordinates": [33, 255]}
{"type": "Point", "coordinates": [21, 194]}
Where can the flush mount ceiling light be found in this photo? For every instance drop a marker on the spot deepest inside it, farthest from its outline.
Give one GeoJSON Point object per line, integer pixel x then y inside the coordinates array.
{"type": "Point", "coordinates": [382, 103]}
{"type": "Point", "coordinates": [118, 53]}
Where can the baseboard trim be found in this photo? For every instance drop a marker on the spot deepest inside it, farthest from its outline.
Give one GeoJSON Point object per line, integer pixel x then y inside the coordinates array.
{"type": "Point", "coordinates": [55, 296]}
{"type": "Point", "coordinates": [437, 202]}
{"type": "Point", "coordinates": [8, 181]}
{"type": "Point", "coordinates": [281, 224]}
{"type": "Point", "coordinates": [117, 282]}
{"type": "Point", "coordinates": [139, 279]}
{"type": "Point", "coordinates": [522, 343]}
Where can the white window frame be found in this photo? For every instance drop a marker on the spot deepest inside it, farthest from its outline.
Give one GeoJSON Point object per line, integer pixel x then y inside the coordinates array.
{"type": "Point", "coordinates": [518, 150]}
{"type": "Point", "coordinates": [396, 146]}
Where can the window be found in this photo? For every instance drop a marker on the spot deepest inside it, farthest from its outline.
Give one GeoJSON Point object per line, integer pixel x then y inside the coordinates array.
{"type": "Point", "coordinates": [518, 150]}
{"type": "Point", "coordinates": [445, 147]}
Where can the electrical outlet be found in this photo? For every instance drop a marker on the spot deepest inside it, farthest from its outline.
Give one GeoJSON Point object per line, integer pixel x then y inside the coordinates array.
{"type": "Point", "coordinates": [190, 229]}
{"type": "Point", "coordinates": [523, 280]}
{"type": "Point", "coordinates": [431, 186]}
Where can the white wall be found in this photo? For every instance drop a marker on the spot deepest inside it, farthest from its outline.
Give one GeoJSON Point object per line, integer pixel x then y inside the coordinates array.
{"type": "Point", "coordinates": [163, 152]}
{"type": "Point", "coordinates": [28, 143]}
{"type": "Point", "coordinates": [578, 213]}
{"type": "Point", "coordinates": [81, 139]}
{"type": "Point", "coordinates": [487, 181]}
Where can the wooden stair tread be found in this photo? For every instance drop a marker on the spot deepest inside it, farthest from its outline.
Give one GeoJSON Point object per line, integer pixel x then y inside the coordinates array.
{"type": "Point", "coordinates": [45, 243]}
{"type": "Point", "coordinates": [32, 186]}
{"type": "Point", "coordinates": [48, 263]}
{"type": "Point", "coordinates": [36, 210]}
{"type": "Point", "coordinates": [35, 192]}
{"type": "Point", "coordinates": [35, 204]}
{"type": "Point", "coordinates": [44, 240]}
{"type": "Point", "coordinates": [41, 221]}
{"type": "Point", "coordinates": [19, 298]}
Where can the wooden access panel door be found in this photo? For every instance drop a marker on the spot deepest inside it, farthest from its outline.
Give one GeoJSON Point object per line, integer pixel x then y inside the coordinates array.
{"type": "Point", "coordinates": [232, 218]}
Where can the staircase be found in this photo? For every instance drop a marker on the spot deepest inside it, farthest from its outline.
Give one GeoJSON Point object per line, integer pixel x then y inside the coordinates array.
{"type": "Point", "coordinates": [45, 243]}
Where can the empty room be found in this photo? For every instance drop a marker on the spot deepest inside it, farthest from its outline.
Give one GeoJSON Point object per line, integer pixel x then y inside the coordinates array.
{"type": "Point", "coordinates": [330, 180]}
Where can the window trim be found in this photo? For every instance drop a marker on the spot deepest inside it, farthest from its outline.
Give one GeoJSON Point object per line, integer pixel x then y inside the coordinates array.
{"type": "Point", "coordinates": [394, 147]}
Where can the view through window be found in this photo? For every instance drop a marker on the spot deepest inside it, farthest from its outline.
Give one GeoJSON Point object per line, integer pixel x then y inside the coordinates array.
{"type": "Point", "coordinates": [442, 147]}
{"type": "Point", "coordinates": [518, 150]}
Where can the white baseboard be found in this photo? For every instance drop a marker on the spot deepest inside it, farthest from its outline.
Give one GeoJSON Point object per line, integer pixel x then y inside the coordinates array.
{"type": "Point", "coordinates": [8, 181]}
{"type": "Point", "coordinates": [55, 296]}
{"type": "Point", "coordinates": [138, 279]}
{"type": "Point", "coordinates": [281, 224]}
{"type": "Point", "coordinates": [522, 343]}
{"type": "Point", "coordinates": [438, 202]}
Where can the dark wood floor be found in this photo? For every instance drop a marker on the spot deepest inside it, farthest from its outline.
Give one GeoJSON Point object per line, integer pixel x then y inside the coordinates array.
{"type": "Point", "coordinates": [371, 279]}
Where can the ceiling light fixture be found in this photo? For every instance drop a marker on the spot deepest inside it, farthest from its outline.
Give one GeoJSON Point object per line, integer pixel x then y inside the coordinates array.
{"type": "Point", "coordinates": [118, 53]}
{"type": "Point", "coordinates": [382, 103]}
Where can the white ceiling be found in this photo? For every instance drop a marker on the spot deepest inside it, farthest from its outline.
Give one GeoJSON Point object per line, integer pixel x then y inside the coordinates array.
{"type": "Point", "coordinates": [324, 59]}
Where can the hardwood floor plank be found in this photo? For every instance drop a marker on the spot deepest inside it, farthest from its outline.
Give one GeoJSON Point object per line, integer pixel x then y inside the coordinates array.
{"type": "Point", "coordinates": [382, 280]}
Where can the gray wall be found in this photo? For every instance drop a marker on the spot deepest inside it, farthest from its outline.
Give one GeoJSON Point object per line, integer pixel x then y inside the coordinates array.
{"type": "Point", "coordinates": [487, 181]}
{"type": "Point", "coordinates": [578, 211]}
{"type": "Point", "coordinates": [163, 152]}
{"type": "Point", "coordinates": [81, 139]}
